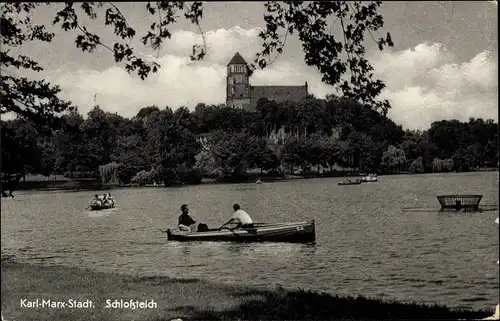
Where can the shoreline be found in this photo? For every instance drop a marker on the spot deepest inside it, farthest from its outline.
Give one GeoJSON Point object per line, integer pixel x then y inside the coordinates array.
{"type": "Point", "coordinates": [251, 179]}
{"type": "Point", "coordinates": [189, 299]}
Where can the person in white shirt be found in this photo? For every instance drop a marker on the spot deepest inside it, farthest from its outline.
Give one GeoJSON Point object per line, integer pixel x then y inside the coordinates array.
{"type": "Point", "coordinates": [240, 218]}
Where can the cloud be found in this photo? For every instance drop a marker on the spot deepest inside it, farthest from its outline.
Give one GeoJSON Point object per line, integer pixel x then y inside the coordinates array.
{"type": "Point", "coordinates": [423, 84]}
{"type": "Point", "coordinates": [181, 82]}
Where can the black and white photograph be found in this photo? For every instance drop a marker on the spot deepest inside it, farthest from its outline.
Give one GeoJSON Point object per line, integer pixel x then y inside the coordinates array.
{"type": "Point", "coordinates": [298, 160]}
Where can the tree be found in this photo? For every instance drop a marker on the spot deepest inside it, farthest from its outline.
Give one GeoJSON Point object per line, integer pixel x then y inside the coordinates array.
{"type": "Point", "coordinates": [233, 151]}
{"type": "Point", "coordinates": [36, 100]}
{"type": "Point", "coordinates": [100, 138]}
{"type": "Point", "coordinates": [292, 153]}
{"type": "Point", "coordinates": [70, 150]}
{"type": "Point", "coordinates": [331, 153]}
{"type": "Point", "coordinates": [109, 173]}
{"type": "Point", "coordinates": [442, 165]}
{"type": "Point", "coordinates": [314, 148]}
{"type": "Point", "coordinates": [20, 152]}
{"type": "Point", "coordinates": [130, 153]}
{"type": "Point", "coordinates": [446, 135]}
{"type": "Point", "coordinates": [321, 48]}
{"type": "Point", "coordinates": [265, 159]}
{"type": "Point", "coordinates": [417, 166]}
{"type": "Point", "coordinates": [393, 160]}
{"type": "Point", "coordinates": [462, 160]}
{"type": "Point", "coordinates": [206, 164]}
{"type": "Point", "coordinates": [176, 151]}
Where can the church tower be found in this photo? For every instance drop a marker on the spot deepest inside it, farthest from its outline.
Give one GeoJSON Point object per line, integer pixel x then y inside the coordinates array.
{"type": "Point", "coordinates": [237, 86]}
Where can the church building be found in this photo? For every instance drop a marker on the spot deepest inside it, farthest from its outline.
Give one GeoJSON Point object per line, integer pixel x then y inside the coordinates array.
{"type": "Point", "coordinates": [240, 94]}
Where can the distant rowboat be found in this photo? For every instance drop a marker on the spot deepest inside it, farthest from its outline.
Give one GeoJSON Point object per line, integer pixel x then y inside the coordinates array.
{"type": "Point", "coordinates": [369, 178]}
{"type": "Point", "coordinates": [349, 182]}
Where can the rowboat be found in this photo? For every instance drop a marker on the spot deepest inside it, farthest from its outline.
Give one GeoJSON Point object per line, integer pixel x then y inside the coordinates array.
{"type": "Point", "coordinates": [369, 178]}
{"type": "Point", "coordinates": [349, 182]}
{"type": "Point", "coordinates": [294, 232]}
{"type": "Point", "coordinates": [98, 206]}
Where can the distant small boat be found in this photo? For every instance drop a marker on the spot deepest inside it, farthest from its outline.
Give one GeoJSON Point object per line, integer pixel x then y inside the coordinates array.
{"type": "Point", "coordinates": [258, 181]}
{"type": "Point", "coordinates": [349, 182]}
{"type": "Point", "coordinates": [100, 205]}
{"type": "Point", "coordinates": [369, 178]}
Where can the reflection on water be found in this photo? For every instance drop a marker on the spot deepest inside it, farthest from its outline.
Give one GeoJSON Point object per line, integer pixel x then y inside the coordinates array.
{"type": "Point", "coordinates": [365, 243]}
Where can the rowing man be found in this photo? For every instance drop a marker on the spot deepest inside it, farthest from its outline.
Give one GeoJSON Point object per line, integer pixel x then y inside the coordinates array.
{"type": "Point", "coordinates": [240, 218]}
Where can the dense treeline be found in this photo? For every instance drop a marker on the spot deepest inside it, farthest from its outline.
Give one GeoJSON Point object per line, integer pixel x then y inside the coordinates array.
{"type": "Point", "coordinates": [162, 145]}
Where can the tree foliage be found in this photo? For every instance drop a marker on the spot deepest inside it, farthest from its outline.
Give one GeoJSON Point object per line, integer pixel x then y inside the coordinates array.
{"type": "Point", "coordinates": [36, 100]}
{"type": "Point", "coordinates": [235, 152]}
{"type": "Point", "coordinates": [109, 173]}
{"type": "Point", "coordinates": [182, 146]}
{"type": "Point", "coordinates": [332, 57]}
{"type": "Point", "coordinates": [393, 159]}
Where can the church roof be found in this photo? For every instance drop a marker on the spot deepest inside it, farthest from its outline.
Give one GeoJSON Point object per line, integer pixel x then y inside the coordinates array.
{"type": "Point", "coordinates": [277, 93]}
{"type": "Point", "coordinates": [237, 59]}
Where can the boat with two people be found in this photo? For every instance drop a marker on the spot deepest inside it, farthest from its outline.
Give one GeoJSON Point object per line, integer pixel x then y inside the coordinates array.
{"type": "Point", "coordinates": [102, 202]}
{"type": "Point", "coordinates": [369, 178]}
{"type": "Point", "coordinates": [349, 182]}
{"type": "Point", "coordinates": [293, 232]}
{"type": "Point", "coordinates": [243, 230]}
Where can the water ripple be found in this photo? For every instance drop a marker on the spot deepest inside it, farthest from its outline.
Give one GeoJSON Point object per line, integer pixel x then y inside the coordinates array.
{"type": "Point", "coordinates": [366, 245]}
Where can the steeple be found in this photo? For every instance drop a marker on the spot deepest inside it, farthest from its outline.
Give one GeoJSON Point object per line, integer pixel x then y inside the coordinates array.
{"type": "Point", "coordinates": [238, 86]}
{"type": "Point", "coordinates": [237, 60]}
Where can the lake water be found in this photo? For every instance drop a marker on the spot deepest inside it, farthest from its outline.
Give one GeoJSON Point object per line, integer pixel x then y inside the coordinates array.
{"type": "Point", "coordinates": [366, 244]}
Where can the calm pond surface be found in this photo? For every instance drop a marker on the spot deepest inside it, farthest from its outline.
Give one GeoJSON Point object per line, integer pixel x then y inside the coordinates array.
{"type": "Point", "coordinates": [366, 244]}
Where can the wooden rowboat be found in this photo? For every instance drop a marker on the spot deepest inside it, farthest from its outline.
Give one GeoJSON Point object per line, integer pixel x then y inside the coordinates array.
{"type": "Point", "coordinates": [295, 232]}
{"type": "Point", "coordinates": [368, 179]}
{"type": "Point", "coordinates": [349, 182]}
{"type": "Point", "coordinates": [96, 206]}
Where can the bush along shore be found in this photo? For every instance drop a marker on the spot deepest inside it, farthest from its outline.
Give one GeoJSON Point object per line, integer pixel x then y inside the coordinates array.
{"type": "Point", "coordinates": [113, 296]}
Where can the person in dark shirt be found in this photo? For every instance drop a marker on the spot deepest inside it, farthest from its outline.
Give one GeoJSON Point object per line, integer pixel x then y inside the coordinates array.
{"type": "Point", "coordinates": [185, 221]}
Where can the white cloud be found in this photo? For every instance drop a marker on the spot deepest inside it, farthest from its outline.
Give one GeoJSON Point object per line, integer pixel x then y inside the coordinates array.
{"type": "Point", "coordinates": [181, 82]}
{"type": "Point", "coordinates": [423, 84]}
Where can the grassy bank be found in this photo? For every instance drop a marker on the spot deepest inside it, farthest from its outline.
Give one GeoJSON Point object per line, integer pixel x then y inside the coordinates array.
{"type": "Point", "coordinates": [188, 299]}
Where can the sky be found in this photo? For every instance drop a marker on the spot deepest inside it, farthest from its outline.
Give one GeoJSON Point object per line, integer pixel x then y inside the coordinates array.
{"type": "Point", "coordinates": [443, 64]}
